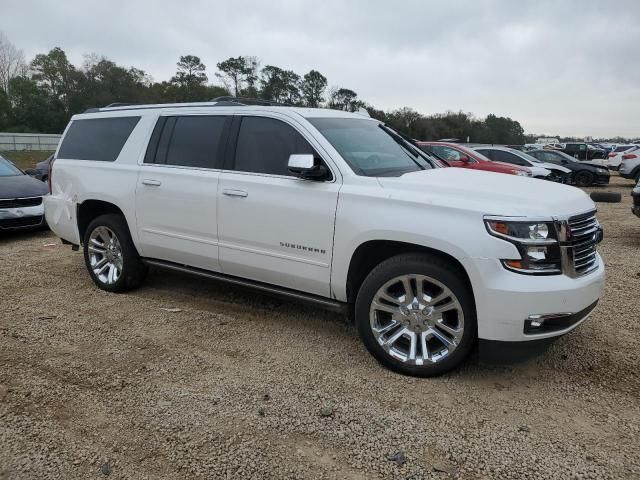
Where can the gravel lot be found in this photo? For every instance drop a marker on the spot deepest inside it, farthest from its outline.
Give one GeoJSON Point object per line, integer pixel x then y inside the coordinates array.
{"type": "Point", "coordinates": [187, 378]}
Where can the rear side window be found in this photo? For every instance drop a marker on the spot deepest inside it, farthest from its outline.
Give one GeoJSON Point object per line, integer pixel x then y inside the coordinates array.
{"type": "Point", "coordinates": [265, 144]}
{"type": "Point", "coordinates": [506, 157]}
{"type": "Point", "coordinates": [188, 141]}
{"type": "Point", "coordinates": [99, 139]}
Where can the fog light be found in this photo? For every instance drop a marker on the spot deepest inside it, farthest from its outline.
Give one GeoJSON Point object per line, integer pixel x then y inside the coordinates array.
{"type": "Point", "coordinates": [536, 321]}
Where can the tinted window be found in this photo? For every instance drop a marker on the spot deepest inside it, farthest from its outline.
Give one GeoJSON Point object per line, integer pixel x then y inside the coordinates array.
{"type": "Point", "coordinates": [369, 148]}
{"type": "Point", "coordinates": [506, 157]}
{"type": "Point", "coordinates": [97, 138]}
{"type": "Point", "coordinates": [195, 141]}
{"type": "Point", "coordinates": [265, 144]}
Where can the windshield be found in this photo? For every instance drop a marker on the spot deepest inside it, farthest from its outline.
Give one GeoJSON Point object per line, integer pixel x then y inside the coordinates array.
{"type": "Point", "coordinates": [526, 156]}
{"type": "Point", "coordinates": [569, 158]}
{"type": "Point", "coordinates": [370, 148]}
{"type": "Point", "coordinates": [8, 169]}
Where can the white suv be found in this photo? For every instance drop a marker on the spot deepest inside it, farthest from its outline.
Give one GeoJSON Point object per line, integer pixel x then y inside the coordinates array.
{"type": "Point", "coordinates": [336, 209]}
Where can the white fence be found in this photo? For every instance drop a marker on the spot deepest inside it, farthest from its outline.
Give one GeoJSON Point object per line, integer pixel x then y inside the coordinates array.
{"type": "Point", "coordinates": [28, 141]}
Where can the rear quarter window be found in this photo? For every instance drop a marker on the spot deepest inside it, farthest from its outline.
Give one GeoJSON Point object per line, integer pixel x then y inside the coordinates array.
{"type": "Point", "coordinates": [99, 139]}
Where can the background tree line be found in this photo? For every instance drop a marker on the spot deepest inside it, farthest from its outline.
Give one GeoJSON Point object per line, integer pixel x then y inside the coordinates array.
{"type": "Point", "coordinates": [40, 96]}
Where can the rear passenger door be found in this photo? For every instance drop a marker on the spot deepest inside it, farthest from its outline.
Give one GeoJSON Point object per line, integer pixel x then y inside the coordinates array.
{"type": "Point", "coordinates": [274, 227]}
{"type": "Point", "coordinates": [176, 193]}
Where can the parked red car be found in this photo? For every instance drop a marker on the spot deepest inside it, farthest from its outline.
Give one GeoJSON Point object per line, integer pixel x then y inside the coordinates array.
{"type": "Point", "coordinates": [457, 155]}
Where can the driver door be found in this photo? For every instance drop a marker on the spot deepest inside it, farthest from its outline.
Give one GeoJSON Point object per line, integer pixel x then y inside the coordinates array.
{"type": "Point", "coordinates": [274, 227]}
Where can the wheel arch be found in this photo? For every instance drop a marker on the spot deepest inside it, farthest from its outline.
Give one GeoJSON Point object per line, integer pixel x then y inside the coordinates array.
{"type": "Point", "coordinates": [93, 208]}
{"type": "Point", "coordinates": [372, 252]}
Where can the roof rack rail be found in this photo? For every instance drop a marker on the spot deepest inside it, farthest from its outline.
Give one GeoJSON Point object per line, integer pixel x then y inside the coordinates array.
{"type": "Point", "coordinates": [120, 104]}
{"type": "Point", "coordinates": [243, 101]}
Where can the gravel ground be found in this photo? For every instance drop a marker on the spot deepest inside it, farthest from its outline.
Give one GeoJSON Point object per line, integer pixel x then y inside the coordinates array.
{"type": "Point", "coordinates": [185, 378]}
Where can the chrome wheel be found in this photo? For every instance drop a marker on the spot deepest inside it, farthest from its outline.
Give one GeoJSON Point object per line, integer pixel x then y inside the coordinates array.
{"type": "Point", "coordinates": [105, 255]}
{"type": "Point", "coordinates": [416, 319]}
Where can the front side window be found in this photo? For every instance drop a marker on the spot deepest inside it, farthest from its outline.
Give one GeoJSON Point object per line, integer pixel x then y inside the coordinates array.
{"type": "Point", "coordinates": [188, 141]}
{"type": "Point", "coordinates": [265, 144]}
{"type": "Point", "coordinates": [447, 153]}
{"type": "Point", "coordinates": [99, 139]}
{"type": "Point", "coordinates": [369, 148]}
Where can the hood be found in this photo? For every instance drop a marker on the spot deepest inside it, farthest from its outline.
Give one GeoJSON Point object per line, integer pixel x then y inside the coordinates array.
{"type": "Point", "coordinates": [553, 166]}
{"type": "Point", "coordinates": [20, 186]}
{"type": "Point", "coordinates": [503, 167]}
{"type": "Point", "coordinates": [487, 193]}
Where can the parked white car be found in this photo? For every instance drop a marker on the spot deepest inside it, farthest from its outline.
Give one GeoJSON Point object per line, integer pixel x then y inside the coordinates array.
{"type": "Point", "coordinates": [616, 156]}
{"type": "Point", "coordinates": [630, 165]}
{"type": "Point", "coordinates": [335, 209]}
{"type": "Point", "coordinates": [539, 169]}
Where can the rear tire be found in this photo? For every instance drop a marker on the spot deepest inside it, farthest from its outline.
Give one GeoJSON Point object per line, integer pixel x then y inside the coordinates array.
{"type": "Point", "coordinates": [584, 179]}
{"type": "Point", "coordinates": [110, 256]}
{"type": "Point", "coordinates": [426, 332]}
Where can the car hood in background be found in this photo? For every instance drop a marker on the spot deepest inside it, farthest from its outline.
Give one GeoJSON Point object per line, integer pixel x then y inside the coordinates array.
{"type": "Point", "coordinates": [20, 186]}
{"type": "Point", "coordinates": [553, 166]}
{"type": "Point", "coordinates": [487, 193]}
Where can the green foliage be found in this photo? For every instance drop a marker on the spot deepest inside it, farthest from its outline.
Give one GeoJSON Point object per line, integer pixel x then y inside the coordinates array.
{"type": "Point", "coordinates": [312, 88]}
{"type": "Point", "coordinates": [239, 75]}
{"type": "Point", "coordinates": [344, 99]}
{"type": "Point", "coordinates": [189, 82]}
{"type": "Point", "coordinates": [280, 85]}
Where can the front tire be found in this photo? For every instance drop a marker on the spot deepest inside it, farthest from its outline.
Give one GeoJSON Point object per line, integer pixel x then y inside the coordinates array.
{"type": "Point", "coordinates": [416, 315]}
{"type": "Point", "coordinates": [110, 256]}
{"type": "Point", "coordinates": [584, 179]}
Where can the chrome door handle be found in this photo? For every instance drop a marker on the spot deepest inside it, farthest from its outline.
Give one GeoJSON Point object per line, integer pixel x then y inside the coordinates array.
{"type": "Point", "coordinates": [151, 183]}
{"type": "Point", "coordinates": [235, 193]}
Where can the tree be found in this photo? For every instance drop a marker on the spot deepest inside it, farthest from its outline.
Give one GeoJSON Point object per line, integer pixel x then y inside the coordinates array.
{"type": "Point", "coordinates": [12, 62]}
{"type": "Point", "coordinates": [53, 73]}
{"type": "Point", "coordinates": [403, 118]}
{"type": "Point", "coordinates": [280, 85]}
{"type": "Point", "coordinates": [313, 86]}
{"type": "Point", "coordinates": [239, 75]}
{"type": "Point", "coordinates": [190, 78]}
{"type": "Point", "coordinates": [344, 99]}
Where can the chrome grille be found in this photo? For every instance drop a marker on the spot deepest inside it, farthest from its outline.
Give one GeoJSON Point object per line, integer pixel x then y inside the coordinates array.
{"type": "Point", "coordinates": [582, 238]}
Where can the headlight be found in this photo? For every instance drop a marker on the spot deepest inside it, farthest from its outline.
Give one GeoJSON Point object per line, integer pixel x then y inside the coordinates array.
{"type": "Point", "coordinates": [536, 241]}
{"type": "Point", "coordinates": [520, 173]}
{"type": "Point", "coordinates": [602, 171]}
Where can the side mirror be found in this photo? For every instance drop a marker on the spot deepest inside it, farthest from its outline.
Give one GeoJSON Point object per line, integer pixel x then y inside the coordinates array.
{"type": "Point", "coordinates": [307, 167]}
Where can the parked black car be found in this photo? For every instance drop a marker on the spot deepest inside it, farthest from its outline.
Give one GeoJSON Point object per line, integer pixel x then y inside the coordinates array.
{"type": "Point", "coordinates": [635, 193]}
{"type": "Point", "coordinates": [20, 198]}
{"type": "Point", "coordinates": [584, 151]}
{"type": "Point", "coordinates": [583, 174]}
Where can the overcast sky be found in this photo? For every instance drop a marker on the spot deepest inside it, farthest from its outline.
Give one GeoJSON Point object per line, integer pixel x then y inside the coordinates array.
{"type": "Point", "coordinates": [563, 67]}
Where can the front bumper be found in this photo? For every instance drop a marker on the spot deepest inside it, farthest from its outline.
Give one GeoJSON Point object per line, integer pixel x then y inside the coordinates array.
{"type": "Point", "coordinates": [499, 352]}
{"type": "Point", "coordinates": [22, 217]}
{"type": "Point", "coordinates": [506, 300]}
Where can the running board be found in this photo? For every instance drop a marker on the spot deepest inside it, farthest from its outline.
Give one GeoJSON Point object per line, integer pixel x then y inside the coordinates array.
{"type": "Point", "coordinates": [322, 302]}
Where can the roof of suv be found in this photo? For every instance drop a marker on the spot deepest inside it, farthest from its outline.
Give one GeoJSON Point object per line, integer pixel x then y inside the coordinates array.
{"type": "Point", "coordinates": [302, 111]}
